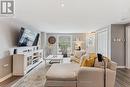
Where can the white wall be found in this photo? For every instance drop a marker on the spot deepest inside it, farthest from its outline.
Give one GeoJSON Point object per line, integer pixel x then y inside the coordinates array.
{"type": "Point", "coordinates": [7, 37]}
{"type": "Point", "coordinates": [9, 29]}
{"type": "Point", "coordinates": [8, 32]}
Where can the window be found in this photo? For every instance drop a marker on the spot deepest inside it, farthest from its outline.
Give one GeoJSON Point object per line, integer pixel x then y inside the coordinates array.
{"type": "Point", "coordinates": [64, 45]}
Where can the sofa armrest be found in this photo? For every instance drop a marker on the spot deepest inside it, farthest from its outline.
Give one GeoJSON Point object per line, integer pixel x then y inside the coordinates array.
{"type": "Point", "coordinates": [112, 65]}
{"type": "Point", "coordinates": [95, 77]}
{"type": "Point", "coordinates": [89, 73]}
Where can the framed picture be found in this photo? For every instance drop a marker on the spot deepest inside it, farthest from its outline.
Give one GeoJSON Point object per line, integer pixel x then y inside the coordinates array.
{"type": "Point", "coordinates": [51, 40]}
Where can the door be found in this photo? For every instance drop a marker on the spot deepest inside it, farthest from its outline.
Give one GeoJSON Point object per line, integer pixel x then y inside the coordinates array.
{"type": "Point", "coordinates": [128, 47]}
{"type": "Point", "coordinates": [102, 42]}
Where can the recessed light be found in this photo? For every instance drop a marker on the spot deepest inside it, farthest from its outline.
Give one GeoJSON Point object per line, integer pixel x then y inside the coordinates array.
{"type": "Point", "coordinates": [62, 5]}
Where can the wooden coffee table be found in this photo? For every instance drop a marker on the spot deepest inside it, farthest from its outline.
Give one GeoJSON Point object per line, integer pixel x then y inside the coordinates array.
{"type": "Point", "coordinates": [54, 58]}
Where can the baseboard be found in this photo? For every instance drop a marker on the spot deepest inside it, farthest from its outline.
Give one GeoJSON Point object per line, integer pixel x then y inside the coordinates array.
{"type": "Point", "coordinates": [6, 77]}
{"type": "Point", "coordinates": [121, 67]}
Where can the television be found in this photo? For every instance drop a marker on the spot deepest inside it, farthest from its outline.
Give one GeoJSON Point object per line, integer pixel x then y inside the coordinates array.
{"type": "Point", "coordinates": [27, 37]}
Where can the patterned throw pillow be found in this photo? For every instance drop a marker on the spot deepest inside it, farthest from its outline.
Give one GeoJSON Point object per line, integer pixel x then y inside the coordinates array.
{"type": "Point", "coordinates": [87, 62]}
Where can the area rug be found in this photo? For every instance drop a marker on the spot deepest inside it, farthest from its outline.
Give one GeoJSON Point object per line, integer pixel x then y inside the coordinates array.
{"type": "Point", "coordinates": [35, 78]}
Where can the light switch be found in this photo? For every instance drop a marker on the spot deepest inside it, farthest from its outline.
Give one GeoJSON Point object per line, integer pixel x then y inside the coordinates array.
{"type": "Point", "coordinates": [6, 65]}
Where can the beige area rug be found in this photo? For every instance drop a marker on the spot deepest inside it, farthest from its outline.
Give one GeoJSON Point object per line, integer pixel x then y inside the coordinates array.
{"type": "Point", "coordinates": [35, 78]}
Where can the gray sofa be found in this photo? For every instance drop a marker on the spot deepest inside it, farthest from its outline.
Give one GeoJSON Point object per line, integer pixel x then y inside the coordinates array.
{"type": "Point", "coordinates": [72, 75]}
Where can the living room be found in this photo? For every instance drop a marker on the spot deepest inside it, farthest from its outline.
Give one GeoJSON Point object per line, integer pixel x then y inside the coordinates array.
{"type": "Point", "coordinates": [65, 43]}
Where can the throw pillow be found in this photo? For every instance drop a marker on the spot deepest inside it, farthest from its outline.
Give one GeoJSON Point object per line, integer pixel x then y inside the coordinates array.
{"type": "Point", "coordinates": [92, 55]}
{"type": "Point", "coordinates": [87, 62]}
{"type": "Point", "coordinates": [78, 54]}
{"type": "Point", "coordinates": [82, 61]}
{"type": "Point", "coordinates": [90, 62]}
{"type": "Point", "coordinates": [83, 57]}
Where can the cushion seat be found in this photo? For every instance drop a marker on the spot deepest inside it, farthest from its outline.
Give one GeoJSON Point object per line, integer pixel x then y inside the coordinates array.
{"type": "Point", "coordinates": [63, 72]}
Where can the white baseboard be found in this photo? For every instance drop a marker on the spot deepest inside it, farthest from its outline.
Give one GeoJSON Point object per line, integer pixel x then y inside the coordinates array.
{"type": "Point", "coordinates": [6, 77]}
{"type": "Point", "coordinates": [121, 67]}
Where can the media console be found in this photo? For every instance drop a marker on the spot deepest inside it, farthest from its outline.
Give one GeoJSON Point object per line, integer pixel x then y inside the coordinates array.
{"type": "Point", "coordinates": [25, 59]}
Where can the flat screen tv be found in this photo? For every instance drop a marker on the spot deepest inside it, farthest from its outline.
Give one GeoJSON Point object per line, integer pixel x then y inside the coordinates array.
{"type": "Point", "coordinates": [28, 37]}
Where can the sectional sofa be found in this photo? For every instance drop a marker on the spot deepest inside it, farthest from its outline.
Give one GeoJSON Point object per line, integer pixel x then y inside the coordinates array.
{"type": "Point", "coordinates": [72, 75]}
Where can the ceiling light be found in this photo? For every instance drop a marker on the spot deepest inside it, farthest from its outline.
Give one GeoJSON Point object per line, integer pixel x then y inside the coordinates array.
{"type": "Point", "coordinates": [62, 3]}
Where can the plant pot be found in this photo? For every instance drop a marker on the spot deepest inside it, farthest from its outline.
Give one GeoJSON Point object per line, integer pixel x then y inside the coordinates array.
{"type": "Point", "coordinates": [64, 55]}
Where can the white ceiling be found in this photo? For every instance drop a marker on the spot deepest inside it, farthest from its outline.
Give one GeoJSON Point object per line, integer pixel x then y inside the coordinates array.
{"type": "Point", "coordinates": [75, 16]}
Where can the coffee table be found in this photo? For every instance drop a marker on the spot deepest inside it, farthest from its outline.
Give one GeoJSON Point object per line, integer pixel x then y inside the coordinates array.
{"type": "Point", "coordinates": [54, 58]}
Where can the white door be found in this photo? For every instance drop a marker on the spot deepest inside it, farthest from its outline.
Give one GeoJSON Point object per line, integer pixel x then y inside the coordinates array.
{"type": "Point", "coordinates": [102, 42]}
{"type": "Point", "coordinates": [128, 47]}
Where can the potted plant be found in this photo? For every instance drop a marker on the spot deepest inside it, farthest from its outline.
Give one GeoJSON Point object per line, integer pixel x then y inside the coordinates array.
{"type": "Point", "coordinates": [63, 46]}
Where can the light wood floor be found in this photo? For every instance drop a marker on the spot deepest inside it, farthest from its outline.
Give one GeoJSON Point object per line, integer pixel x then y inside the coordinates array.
{"type": "Point", "coordinates": [9, 82]}
{"type": "Point", "coordinates": [122, 79]}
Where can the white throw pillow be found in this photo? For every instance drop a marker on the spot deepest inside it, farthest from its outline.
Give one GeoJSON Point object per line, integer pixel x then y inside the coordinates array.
{"type": "Point", "coordinates": [78, 54]}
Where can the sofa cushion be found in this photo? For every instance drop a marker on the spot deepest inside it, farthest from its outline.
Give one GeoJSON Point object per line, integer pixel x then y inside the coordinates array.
{"type": "Point", "coordinates": [92, 55]}
{"type": "Point", "coordinates": [63, 72]}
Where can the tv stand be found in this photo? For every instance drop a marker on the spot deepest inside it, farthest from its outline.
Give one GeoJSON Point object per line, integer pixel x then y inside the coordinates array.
{"type": "Point", "coordinates": [26, 60]}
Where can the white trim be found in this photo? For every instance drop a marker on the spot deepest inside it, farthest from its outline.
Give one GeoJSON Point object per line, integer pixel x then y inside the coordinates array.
{"type": "Point", "coordinates": [104, 29]}
{"type": "Point", "coordinates": [6, 77]}
{"type": "Point", "coordinates": [127, 46]}
{"type": "Point", "coordinates": [106, 32]}
{"type": "Point", "coordinates": [121, 67]}
{"type": "Point", "coordinates": [109, 42]}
